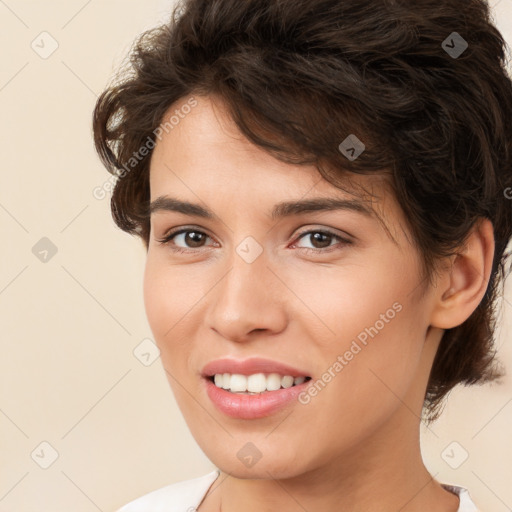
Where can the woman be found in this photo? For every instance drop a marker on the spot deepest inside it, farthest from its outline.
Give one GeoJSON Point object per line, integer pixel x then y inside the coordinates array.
{"type": "Point", "coordinates": [321, 187]}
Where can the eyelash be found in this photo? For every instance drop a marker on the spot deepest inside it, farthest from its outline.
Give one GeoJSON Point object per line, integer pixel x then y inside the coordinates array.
{"type": "Point", "coordinates": [167, 239]}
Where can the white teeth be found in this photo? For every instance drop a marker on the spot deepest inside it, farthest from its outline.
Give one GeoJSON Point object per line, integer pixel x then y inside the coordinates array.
{"type": "Point", "coordinates": [287, 381]}
{"type": "Point", "coordinates": [273, 382]}
{"type": "Point", "coordinates": [238, 383]}
{"type": "Point", "coordinates": [255, 383]}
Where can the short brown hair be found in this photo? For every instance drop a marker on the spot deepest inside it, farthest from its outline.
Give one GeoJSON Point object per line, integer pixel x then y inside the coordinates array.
{"type": "Point", "coordinates": [299, 76]}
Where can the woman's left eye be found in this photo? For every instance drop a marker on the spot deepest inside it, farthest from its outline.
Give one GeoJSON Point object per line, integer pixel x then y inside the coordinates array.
{"type": "Point", "coordinates": [321, 240]}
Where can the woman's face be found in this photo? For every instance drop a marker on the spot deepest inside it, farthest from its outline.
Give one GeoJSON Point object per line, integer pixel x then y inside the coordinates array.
{"type": "Point", "coordinates": [334, 295]}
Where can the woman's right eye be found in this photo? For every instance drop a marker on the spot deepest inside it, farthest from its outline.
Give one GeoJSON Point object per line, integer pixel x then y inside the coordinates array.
{"type": "Point", "coordinates": [184, 240]}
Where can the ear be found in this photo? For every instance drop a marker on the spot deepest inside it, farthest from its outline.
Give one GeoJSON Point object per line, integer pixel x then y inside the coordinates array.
{"type": "Point", "coordinates": [462, 285]}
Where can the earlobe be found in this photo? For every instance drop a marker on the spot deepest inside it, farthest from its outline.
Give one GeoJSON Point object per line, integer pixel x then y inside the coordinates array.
{"type": "Point", "coordinates": [465, 281]}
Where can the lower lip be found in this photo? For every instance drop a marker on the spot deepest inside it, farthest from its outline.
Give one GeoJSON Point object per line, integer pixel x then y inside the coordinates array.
{"type": "Point", "coordinates": [248, 407]}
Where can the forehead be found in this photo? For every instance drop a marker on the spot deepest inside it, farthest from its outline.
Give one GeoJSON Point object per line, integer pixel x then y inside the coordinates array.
{"type": "Point", "coordinates": [206, 143]}
{"type": "Point", "coordinates": [204, 157]}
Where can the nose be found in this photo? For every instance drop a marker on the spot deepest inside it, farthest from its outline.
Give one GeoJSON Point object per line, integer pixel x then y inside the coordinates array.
{"type": "Point", "coordinates": [247, 300]}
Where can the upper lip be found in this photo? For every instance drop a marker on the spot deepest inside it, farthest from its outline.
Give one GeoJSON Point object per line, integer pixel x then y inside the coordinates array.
{"type": "Point", "coordinates": [249, 367]}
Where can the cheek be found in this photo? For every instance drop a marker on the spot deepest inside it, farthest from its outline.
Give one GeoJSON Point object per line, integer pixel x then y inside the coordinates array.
{"type": "Point", "coordinates": [168, 297]}
{"type": "Point", "coordinates": [170, 294]}
{"type": "Point", "coordinates": [376, 375]}
{"type": "Point", "coordinates": [347, 302]}
{"type": "Point", "coordinates": [157, 302]}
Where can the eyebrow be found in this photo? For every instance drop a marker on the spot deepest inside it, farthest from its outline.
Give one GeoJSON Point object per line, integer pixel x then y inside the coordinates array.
{"type": "Point", "coordinates": [280, 210]}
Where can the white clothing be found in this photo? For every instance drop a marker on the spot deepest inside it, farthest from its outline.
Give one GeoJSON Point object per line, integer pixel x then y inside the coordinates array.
{"type": "Point", "coordinates": [185, 496]}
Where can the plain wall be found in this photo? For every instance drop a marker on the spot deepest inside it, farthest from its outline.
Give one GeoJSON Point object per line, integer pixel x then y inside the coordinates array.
{"type": "Point", "coordinates": [69, 325]}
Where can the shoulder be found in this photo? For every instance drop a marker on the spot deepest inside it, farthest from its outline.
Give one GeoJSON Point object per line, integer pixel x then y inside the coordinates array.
{"type": "Point", "coordinates": [466, 503]}
{"type": "Point", "coordinates": [182, 496]}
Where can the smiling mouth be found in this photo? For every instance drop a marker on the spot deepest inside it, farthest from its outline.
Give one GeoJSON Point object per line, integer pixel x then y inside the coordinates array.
{"type": "Point", "coordinates": [256, 383]}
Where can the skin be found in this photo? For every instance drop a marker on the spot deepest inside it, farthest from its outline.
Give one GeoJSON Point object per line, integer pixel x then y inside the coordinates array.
{"type": "Point", "coordinates": [355, 446]}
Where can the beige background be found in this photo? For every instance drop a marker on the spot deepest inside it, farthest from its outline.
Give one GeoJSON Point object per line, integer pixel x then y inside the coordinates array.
{"type": "Point", "coordinates": [70, 325]}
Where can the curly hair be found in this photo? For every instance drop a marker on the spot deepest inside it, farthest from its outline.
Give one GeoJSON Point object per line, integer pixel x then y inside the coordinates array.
{"type": "Point", "coordinates": [423, 83]}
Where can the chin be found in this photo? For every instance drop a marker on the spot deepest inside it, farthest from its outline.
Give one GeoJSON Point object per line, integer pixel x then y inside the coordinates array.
{"type": "Point", "coordinates": [260, 460]}
{"type": "Point", "coordinates": [260, 471]}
